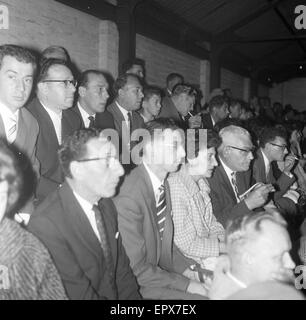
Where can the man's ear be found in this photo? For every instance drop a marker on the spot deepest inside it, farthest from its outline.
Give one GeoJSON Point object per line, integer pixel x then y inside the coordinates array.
{"type": "Point", "coordinates": [76, 169]}
{"type": "Point", "coordinates": [247, 258]}
{"type": "Point", "coordinates": [82, 91]}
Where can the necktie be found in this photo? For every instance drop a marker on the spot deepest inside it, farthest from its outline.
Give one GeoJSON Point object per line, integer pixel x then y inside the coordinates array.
{"type": "Point", "coordinates": [12, 131]}
{"type": "Point", "coordinates": [105, 245]}
{"type": "Point", "coordinates": [234, 184]}
{"type": "Point", "coordinates": [91, 121]}
{"type": "Point", "coordinates": [130, 121]}
{"type": "Point", "coordinates": [161, 210]}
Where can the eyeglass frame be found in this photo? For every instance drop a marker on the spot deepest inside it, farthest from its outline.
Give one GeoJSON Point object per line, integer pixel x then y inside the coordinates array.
{"type": "Point", "coordinates": [99, 158]}
{"type": "Point", "coordinates": [71, 82]}
{"type": "Point", "coordinates": [283, 147]}
{"type": "Point", "coordinates": [244, 150]}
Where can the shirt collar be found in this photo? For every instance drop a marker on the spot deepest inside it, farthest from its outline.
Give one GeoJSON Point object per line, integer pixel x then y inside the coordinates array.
{"type": "Point", "coordinates": [86, 205]}
{"type": "Point", "coordinates": [123, 111]}
{"type": "Point", "coordinates": [84, 113]}
{"type": "Point", "coordinates": [228, 171]}
{"type": "Point", "coordinates": [266, 161]}
{"type": "Point", "coordinates": [156, 182]}
{"type": "Point", "coordinates": [51, 112]}
{"type": "Point", "coordinates": [6, 112]}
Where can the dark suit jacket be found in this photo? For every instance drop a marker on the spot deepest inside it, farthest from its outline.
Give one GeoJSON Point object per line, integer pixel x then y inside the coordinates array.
{"type": "Point", "coordinates": [206, 121]}
{"type": "Point", "coordinates": [47, 146]}
{"type": "Point", "coordinates": [103, 120]}
{"type": "Point", "coordinates": [152, 261]}
{"type": "Point", "coordinates": [282, 184]}
{"type": "Point", "coordinates": [169, 111]}
{"type": "Point", "coordinates": [121, 128]}
{"type": "Point", "coordinates": [222, 195]}
{"type": "Point", "coordinates": [61, 224]}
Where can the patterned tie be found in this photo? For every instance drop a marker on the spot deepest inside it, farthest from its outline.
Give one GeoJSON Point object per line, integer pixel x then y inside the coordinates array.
{"type": "Point", "coordinates": [161, 210]}
{"type": "Point", "coordinates": [234, 183]}
{"type": "Point", "coordinates": [105, 245]}
{"type": "Point", "coordinates": [91, 121]}
{"type": "Point", "coordinates": [12, 131]}
{"type": "Point", "coordinates": [130, 121]}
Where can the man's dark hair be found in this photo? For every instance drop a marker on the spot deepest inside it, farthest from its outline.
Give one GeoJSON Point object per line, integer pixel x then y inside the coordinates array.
{"type": "Point", "coordinates": [45, 67]}
{"type": "Point", "coordinates": [183, 88]}
{"type": "Point", "coordinates": [217, 102]}
{"type": "Point", "coordinates": [172, 76]}
{"type": "Point", "coordinates": [19, 53]}
{"type": "Point", "coordinates": [84, 77]}
{"type": "Point", "coordinates": [75, 148]}
{"type": "Point", "coordinates": [127, 65]}
{"type": "Point", "coordinates": [150, 91]}
{"type": "Point", "coordinates": [122, 80]}
{"type": "Point", "coordinates": [10, 172]}
{"type": "Point", "coordinates": [269, 133]}
{"type": "Point", "coordinates": [194, 143]}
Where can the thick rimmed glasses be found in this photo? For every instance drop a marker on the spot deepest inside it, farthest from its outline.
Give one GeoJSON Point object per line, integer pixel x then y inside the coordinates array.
{"type": "Point", "coordinates": [283, 147]}
{"type": "Point", "coordinates": [108, 160]}
{"type": "Point", "coordinates": [243, 150]}
{"type": "Point", "coordinates": [66, 82]}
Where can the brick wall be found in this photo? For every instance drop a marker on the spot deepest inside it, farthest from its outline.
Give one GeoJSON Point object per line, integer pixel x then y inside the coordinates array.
{"type": "Point", "coordinates": [40, 23]}
{"type": "Point", "coordinates": [292, 92]}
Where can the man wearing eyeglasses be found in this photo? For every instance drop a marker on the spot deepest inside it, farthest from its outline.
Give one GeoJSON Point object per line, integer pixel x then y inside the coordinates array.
{"type": "Point", "coordinates": [92, 99]}
{"type": "Point", "coordinates": [273, 148]}
{"type": "Point", "coordinates": [54, 96]}
{"type": "Point", "coordinates": [78, 221]}
{"type": "Point", "coordinates": [232, 177]}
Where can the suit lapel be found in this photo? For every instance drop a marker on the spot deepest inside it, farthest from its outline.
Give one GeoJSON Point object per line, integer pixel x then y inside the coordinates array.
{"type": "Point", "coordinates": [225, 181]}
{"type": "Point", "coordinates": [80, 222]}
{"type": "Point", "coordinates": [150, 199]}
{"type": "Point", "coordinates": [22, 132]}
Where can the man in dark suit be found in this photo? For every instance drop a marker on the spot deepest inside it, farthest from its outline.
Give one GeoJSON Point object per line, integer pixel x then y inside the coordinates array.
{"type": "Point", "coordinates": [145, 221]}
{"type": "Point", "coordinates": [55, 94]}
{"type": "Point", "coordinates": [17, 125]}
{"type": "Point", "coordinates": [218, 110]}
{"type": "Point", "coordinates": [128, 98]}
{"type": "Point", "coordinates": [273, 148]}
{"type": "Point", "coordinates": [78, 223]}
{"type": "Point", "coordinates": [232, 177]}
{"type": "Point", "coordinates": [92, 98]}
{"type": "Point", "coordinates": [179, 105]}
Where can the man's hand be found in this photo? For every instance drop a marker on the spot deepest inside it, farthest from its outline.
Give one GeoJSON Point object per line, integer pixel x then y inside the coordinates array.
{"type": "Point", "coordinates": [258, 196]}
{"type": "Point", "coordinates": [197, 287]}
{"type": "Point", "coordinates": [195, 121]}
{"type": "Point", "coordinates": [289, 163]}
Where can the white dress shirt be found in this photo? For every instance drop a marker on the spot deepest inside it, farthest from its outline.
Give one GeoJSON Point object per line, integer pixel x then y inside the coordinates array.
{"type": "Point", "coordinates": [90, 214]}
{"type": "Point", "coordinates": [9, 120]}
{"type": "Point", "coordinates": [125, 114]}
{"type": "Point", "coordinates": [85, 116]}
{"type": "Point", "coordinates": [57, 122]}
{"type": "Point", "coordinates": [267, 163]}
{"type": "Point", "coordinates": [156, 182]}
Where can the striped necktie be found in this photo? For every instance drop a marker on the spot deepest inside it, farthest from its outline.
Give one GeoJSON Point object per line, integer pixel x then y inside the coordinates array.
{"type": "Point", "coordinates": [12, 131]}
{"type": "Point", "coordinates": [105, 246]}
{"type": "Point", "coordinates": [234, 184]}
{"type": "Point", "coordinates": [161, 210]}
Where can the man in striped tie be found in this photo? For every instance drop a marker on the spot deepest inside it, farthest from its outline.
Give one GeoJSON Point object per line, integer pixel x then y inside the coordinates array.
{"type": "Point", "coordinates": [145, 221]}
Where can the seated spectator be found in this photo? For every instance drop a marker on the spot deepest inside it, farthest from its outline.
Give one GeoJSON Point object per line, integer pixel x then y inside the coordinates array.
{"type": "Point", "coordinates": [151, 103]}
{"type": "Point", "coordinates": [179, 105]}
{"type": "Point", "coordinates": [134, 66]}
{"type": "Point", "coordinates": [218, 110]}
{"type": "Point", "coordinates": [257, 261]}
{"type": "Point", "coordinates": [26, 269]}
{"type": "Point", "coordinates": [273, 148]}
{"type": "Point", "coordinates": [145, 221]}
{"type": "Point", "coordinates": [51, 108]}
{"type": "Point", "coordinates": [235, 109]}
{"type": "Point", "coordinates": [232, 177]}
{"type": "Point", "coordinates": [78, 222]}
{"type": "Point", "coordinates": [172, 80]}
{"type": "Point", "coordinates": [197, 233]}
{"type": "Point", "coordinates": [246, 113]}
{"type": "Point", "coordinates": [92, 99]}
